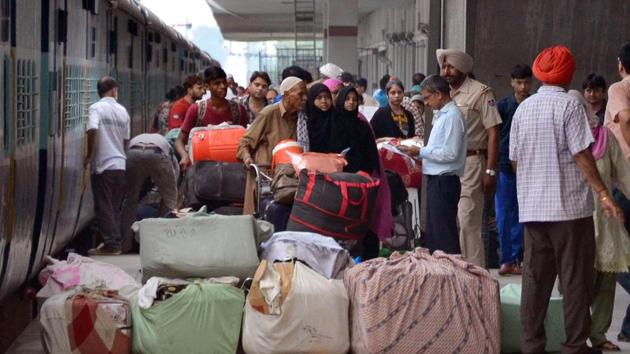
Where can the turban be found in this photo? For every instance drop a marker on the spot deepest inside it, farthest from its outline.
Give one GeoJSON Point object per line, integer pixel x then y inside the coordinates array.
{"type": "Point", "coordinates": [460, 60]}
{"type": "Point", "coordinates": [333, 84]}
{"type": "Point", "coordinates": [289, 83]}
{"type": "Point", "coordinates": [330, 70]}
{"type": "Point", "coordinates": [554, 66]}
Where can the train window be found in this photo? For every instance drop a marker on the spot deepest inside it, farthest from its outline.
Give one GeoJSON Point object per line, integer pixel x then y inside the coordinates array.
{"type": "Point", "coordinates": [149, 53]}
{"type": "Point", "coordinates": [173, 47]}
{"type": "Point", "coordinates": [130, 63]}
{"type": "Point", "coordinates": [158, 38]}
{"type": "Point", "coordinates": [91, 6]}
{"type": "Point", "coordinates": [72, 101]}
{"type": "Point", "coordinates": [132, 27]}
{"type": "Point", "coordinates": [26, 95]}
{"type": "Point", "coordinates": [6, 108]}
{"type": "Point", "coordinates": [93, 49]}
{"type": "Point", "coordinates": [62, 26]}
{"type": "Point", "coordinates": [150, 37]}
{"type": "Point", "coordinates": [5, 17]}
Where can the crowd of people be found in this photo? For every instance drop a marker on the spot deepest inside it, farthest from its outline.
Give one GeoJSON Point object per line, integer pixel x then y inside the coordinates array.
{"type": "Point", "coordinates": [555, 161]}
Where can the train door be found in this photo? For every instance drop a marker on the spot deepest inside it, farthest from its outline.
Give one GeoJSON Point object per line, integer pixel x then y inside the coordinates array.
{"type": "Point", "coordinates": [5, 131]}
{"type": "Point", "coordinates": [24, 136]}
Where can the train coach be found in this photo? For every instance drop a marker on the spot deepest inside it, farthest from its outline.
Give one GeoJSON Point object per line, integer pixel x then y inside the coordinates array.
{"type": "Point", "coordinates": [52, 53]}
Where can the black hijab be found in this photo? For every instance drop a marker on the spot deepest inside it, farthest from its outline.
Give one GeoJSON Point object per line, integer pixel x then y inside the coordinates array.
{"type": "Point", "coordinates": [320, 123]}
{"type": "Point", "coordinates": [352, 132]}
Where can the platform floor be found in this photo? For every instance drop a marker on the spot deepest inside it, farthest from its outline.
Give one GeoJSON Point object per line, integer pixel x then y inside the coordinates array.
{"type": "Point", "coordinates": [29, 342]}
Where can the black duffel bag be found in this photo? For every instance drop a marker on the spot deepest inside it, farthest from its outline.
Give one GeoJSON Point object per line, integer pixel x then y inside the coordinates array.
{"type": "Point", "coordinates": [338, 204]}
{"type": "Point", "coordinates": [218, 181]}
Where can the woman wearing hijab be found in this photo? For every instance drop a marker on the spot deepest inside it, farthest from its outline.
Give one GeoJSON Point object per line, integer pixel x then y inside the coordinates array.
{"type": "Point", "coordinates": [612, 253]}
{"type": "Point", "coordinates": [351, 130]}
{"type": "Point", "coordinates": [355, 133]}
{"type": "Point", "coordinates": [393, 121]}
{"type": "Point", "coordinates": [320, 119]}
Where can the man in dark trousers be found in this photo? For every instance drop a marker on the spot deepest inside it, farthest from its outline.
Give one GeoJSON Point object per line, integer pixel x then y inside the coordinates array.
{"type": "Point", "coordinates": [506, 204]}
{"type": "Point", "coordinates": [444, 160]}
{"type": "Point", "coordinates": [149, 156]}
{"type": "Point", "coordinates": [108, 130]}
{"type": "Point", "coordinates": [550, 149]}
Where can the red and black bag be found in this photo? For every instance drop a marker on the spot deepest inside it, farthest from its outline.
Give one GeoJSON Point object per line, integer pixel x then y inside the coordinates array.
{"type": "Point", "coordinates": [338, 204]}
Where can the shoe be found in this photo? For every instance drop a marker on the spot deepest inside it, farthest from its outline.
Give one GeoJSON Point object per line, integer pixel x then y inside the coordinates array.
{"type": "Point", "coordinates": [516, 270]}
{"type": "Point", "coordinates": [623, 337]}
{"type": "Point", "coordinates": [506, 269]}
{"type": "Point", "coordinates": [104, 250]}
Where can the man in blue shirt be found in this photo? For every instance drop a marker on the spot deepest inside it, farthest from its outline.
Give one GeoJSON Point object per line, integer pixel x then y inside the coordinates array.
{"type": "Point", "coordinates": [506, 204]}
{"type": "Point", "coordinates": [444, 159]}
{"type": "Point", "coordinates": [380, 95]}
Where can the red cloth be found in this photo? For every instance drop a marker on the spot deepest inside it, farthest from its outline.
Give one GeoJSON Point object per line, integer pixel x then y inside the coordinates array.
{"type": "Point", "coordinates": [178, 113]}
{"type": "Point", "coordinates": [211, 117]}
{"type": "Point", "coordinates": [555, 66]}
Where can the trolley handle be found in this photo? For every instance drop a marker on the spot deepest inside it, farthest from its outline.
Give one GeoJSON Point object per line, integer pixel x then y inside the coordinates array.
{"type": "Point", "coordinates": [258, 171]}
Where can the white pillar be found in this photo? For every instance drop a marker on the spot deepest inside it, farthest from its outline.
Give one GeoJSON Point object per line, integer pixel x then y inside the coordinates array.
{"type": "Point", "coordinates": [342, 18]}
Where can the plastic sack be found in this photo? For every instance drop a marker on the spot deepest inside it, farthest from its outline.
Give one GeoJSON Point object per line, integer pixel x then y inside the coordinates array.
{"type": "Point", "coordinates": [321, 253]}
{"type": "Point", "coordinates": [315, 161]}
{"type": "Point", "coordinates": [60, 276]}
{"type": "Point", "coordinates": [511, 321]}
{"type": "Point", "coordinates": [201, 246]}
{"type": "Point", "coordinates": [313, 318]}
{"type": "Point", "coordinates": [202, 318]}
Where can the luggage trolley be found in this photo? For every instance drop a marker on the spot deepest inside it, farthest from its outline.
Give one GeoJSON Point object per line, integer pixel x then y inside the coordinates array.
{"type": "Point", "coordinates": [262, 188]}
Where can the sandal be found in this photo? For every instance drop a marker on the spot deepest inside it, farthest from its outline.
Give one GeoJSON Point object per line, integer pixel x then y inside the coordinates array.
{"type": "Point", "coordinates": [608, 346]}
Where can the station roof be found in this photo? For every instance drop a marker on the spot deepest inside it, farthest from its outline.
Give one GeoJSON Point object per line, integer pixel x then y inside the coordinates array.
{"type": "Point", "coordinates": [248, 20]}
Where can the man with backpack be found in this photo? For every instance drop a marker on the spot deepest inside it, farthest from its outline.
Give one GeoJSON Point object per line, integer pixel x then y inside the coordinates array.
{"type": "Point", "coordinates": [215, 110]}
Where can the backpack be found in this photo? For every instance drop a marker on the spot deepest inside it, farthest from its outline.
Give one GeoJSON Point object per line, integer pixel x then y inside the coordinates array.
{"type": "Point", "coordinates": [202, 106]}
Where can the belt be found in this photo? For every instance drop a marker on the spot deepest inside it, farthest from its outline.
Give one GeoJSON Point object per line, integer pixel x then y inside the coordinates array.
{"type": "Point", "coordinates": [152, 148]}
{"type": "Point", "coordinates": [483, 152]}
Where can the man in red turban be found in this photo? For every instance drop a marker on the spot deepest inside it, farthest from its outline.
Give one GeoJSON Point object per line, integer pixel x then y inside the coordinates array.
{"type": "Point", "coordinates": [555, 66]}
{"type": "Point", "coordinates": [556, 177]}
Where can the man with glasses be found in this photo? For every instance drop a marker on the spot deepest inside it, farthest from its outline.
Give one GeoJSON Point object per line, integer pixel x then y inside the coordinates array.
{"type": "Point", "coordinates": [444, 159]}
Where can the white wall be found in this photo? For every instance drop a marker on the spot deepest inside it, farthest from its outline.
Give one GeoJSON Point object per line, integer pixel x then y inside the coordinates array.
{"type": "Point", "coordinates": [379, 55]}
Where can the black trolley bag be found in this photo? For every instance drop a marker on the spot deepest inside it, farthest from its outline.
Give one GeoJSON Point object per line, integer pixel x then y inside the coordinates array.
{"type": "Point", "coordinates": [215, 183]}
{"type": "Point", "coordinates": [338, 204]}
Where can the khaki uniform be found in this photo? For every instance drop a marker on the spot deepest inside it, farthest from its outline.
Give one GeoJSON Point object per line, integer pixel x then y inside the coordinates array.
{"type": "Point", "coordinates": [478, 104]}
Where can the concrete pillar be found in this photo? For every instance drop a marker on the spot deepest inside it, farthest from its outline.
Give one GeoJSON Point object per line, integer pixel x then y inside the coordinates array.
{"type": "Point", "coordinates": [341, 19]}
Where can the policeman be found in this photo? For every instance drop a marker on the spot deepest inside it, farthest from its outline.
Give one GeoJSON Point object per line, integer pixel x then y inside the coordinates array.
{"type": "Point", "coordinates": [150, 156]}
{"type": "Point", "coordinates": [477, 103]}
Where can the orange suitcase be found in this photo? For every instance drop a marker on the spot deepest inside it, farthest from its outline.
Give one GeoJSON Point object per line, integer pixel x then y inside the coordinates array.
{"type": "Point", "coordinates": [215, 143]}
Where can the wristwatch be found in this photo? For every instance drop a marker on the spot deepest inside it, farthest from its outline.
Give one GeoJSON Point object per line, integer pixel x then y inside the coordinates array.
{"type": "Point", "coordinates": [491, 173]}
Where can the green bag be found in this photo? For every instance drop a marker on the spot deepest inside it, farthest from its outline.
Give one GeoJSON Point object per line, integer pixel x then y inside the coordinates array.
{"type": "Point", "coordinates": [511, 321]}
{"type": "Point", "coordinates": [202, 318]}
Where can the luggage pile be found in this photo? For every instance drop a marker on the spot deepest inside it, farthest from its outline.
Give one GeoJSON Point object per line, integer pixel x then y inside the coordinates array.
{"type": "Point", "coordinates": [212, 151]}
{"type": "Point", "coordinates": [305, 296]}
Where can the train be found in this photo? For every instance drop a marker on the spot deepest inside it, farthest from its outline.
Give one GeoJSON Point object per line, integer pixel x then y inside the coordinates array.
{"type": "Point", "coordinates": [52, 54]}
